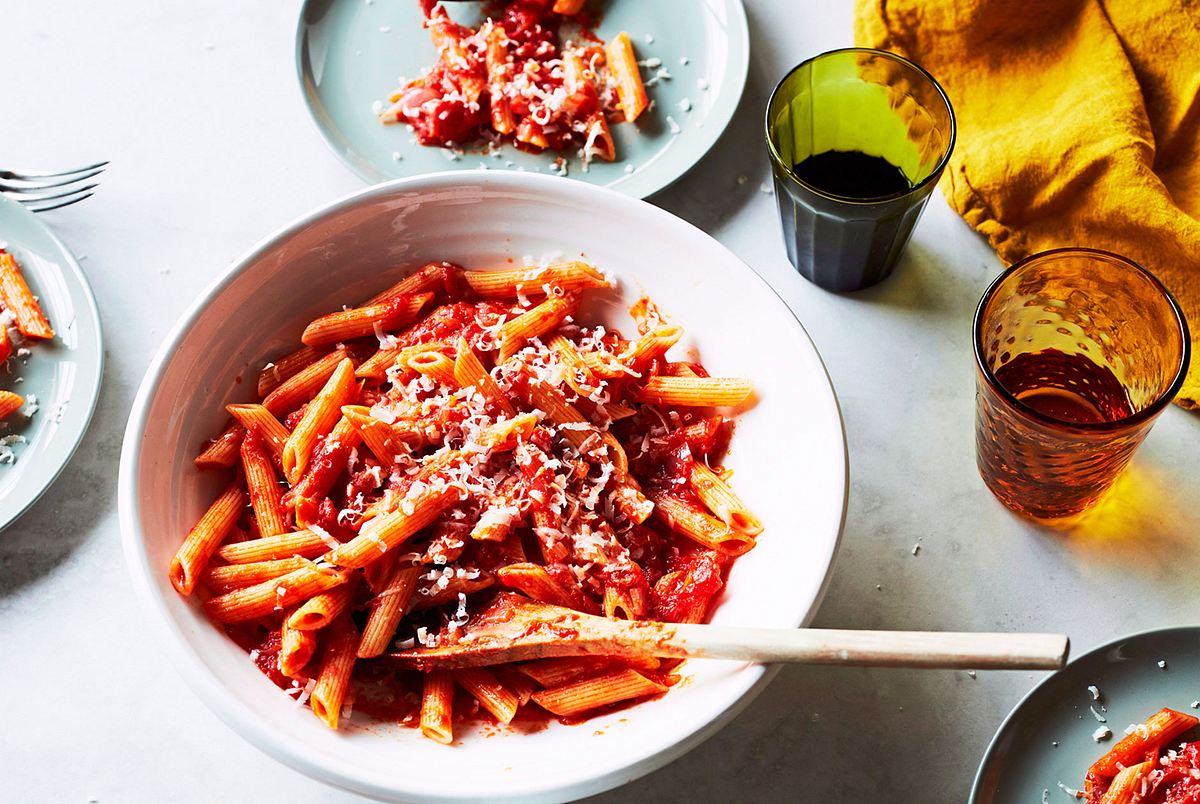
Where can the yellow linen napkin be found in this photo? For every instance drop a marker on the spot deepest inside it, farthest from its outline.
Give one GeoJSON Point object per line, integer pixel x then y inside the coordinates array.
{"type": "Point", "coordinates": [1078, 125]}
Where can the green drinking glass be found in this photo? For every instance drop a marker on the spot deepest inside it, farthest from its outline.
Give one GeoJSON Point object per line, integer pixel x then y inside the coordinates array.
{"type": "Point", "coordinates": [858, 139]}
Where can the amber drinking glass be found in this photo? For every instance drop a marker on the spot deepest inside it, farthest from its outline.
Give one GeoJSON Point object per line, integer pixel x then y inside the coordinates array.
{"type": "Point", "coordinates": [858, 139]}
{"type": "Point", "coordinates": [1077, 353]}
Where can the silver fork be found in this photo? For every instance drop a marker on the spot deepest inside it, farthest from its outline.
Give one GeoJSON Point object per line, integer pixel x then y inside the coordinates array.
{"type": "Point", "coordinates": [42, 192]}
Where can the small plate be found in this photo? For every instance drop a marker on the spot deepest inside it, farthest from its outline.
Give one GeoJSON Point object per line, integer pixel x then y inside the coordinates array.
{"type": "Point", "coordinates": [63, 374]}
{"type": "Point", "coordinates": [352, 53]}
{"type": "Point", "coordinates": [1023, 760]}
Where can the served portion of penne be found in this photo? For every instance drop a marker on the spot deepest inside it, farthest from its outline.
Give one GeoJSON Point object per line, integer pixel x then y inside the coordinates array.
{"type": "Point", "coordinates": [1148, 766]}
{"type": "Point", "coordinates": [20, 313]}
{"type": "Point", "coordinates": [511, 79]}
{"type": "Point", "coordinates": [377, 510]}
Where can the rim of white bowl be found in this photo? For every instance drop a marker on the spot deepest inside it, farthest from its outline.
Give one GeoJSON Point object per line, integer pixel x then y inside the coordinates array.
{"type": "Point", "coordinates": [294, 752]}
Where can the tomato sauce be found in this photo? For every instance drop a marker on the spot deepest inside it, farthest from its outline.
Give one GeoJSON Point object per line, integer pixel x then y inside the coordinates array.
{"type": "Point", "coordinates": [451, 104]}
{"type": "Point", "coordinates": [1179, 783]}
{"type": "Point", "coordinates": [692, 581]}
{"type": "Point", "coordinates": [448, 322]}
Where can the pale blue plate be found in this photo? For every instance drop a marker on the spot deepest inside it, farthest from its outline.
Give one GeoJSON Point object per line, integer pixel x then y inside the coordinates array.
{"type": "Point", "coordinates": [352, 53]}
{"type": "Point", "coordinates": [63, 374]}
{"type": "Point", "coordinates": [1024, 760]}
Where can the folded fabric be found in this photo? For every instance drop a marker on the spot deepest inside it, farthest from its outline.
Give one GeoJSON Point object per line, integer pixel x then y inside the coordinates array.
{"type": "Point", "coordinates": [1078, 125]}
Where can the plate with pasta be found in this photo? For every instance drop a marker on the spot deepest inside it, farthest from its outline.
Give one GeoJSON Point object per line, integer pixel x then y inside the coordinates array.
{"type": "Point", "coordinates": [1119, 725]}
{"type": "Point", "coordinates": [51, 358]}
{"type": "Point", "coordinates": [460, 396]}
{"type": "Point", "coordinates": [620, 93]}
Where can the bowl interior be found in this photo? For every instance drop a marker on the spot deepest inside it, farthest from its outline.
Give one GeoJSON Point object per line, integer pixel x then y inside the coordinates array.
{"type": "Point", "coordinates": [788, 454]}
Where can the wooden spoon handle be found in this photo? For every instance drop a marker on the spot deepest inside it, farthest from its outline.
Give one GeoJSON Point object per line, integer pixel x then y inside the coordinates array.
{"type": "Point", "coordinates": [979, 651]}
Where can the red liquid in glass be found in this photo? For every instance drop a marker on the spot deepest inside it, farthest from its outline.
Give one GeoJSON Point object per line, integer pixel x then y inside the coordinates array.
{"type": "Point", "coordinates": [1069, 388]}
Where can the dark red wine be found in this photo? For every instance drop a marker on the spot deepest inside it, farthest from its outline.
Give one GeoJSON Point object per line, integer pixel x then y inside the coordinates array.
{"type": "Point", "coordinates": [853, 174]}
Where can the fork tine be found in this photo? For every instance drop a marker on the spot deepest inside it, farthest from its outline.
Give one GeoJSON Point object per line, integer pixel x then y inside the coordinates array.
{"type": "Point", "coordinates": [39, 198]}
{"type": "Point", "coordinates": [36, 187]}
{"type": "Point", "coordinates": [12, 174]}
{"type": "Point", "coordinates": [59, 205]}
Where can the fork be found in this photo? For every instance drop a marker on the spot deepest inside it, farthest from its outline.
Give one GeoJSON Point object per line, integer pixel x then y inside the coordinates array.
{"type": "Point", "coordinates": [42, 192]}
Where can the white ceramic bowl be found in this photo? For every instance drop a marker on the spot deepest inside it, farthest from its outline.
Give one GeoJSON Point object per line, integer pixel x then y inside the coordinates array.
{"type": "Point", "coordinates": [788, 452]}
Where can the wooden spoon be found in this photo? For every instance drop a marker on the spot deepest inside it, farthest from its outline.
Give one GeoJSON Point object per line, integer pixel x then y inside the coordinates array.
{"type": "Point", "coordinates": [515, 629]}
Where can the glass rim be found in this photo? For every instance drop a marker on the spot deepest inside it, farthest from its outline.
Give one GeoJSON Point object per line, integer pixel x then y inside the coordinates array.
{"type": "Point", "coordinates": [1135, 418]}
{"type": "Point", "coordinates": [887, 54]}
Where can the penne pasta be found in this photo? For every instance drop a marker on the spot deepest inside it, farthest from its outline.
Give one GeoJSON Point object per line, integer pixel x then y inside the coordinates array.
{"type": "Point", "coordinates": [203, 539]}
{"type": "Point", "coordinates": [469, 372]}
{"type": "Point", "coordinates": [385, 442]}
{"type": "Point", "coordinates": [606, 365]}
{"type": "Point", "coordinates": [521, 685]}
{"type": "Point", "coordinates": [19, 300]}
{"type": "Point", "coordinates": [326, 465]}
{"type": "Point", "coordinates": [437, 707]}
{"type": "Point", "coordinates": [320, 416]}
{"type": "Point", "coordinates": [333, 677]}
{"type": "Point", "coordinates": [719, 498]}
{"type": "Point", "coordinates": [6, 349]}
{"type": "Point", "coordinates": [631, 502]}
{"type": "Point", "coordinates": [1147, 765]}
{"type": "Point", "coordinates": [387, 609]}
{"type": "Point", "coordinates": [651, 346]}
{"type": "Point", "coordinates": [1127, 785]}
{"type": "Point", "coordinates": [625, 603]}
{"type": "Point", "coordinates": [396, 497]}
{"type": "Point", "coordinates": [581, 696]}
{"type": "Point", "coordinates": [428, 277]}
{"type": "Point", "coordinates": [559, 671]}
{"type": "Point", "coordinates": [280, 593]}
{"type": "Point", "coordinates": [688, 520]}
{"type": "Point", "coordinates": [10, 403]}
{"type": "Point", "coordinates": [301, 386]}
{"type": "Point", "coordinates": [224, 451]}
{"type": "Point", "coordinates": [237, 576]}
{"type": "Point", "coordinates": [630, 89]}
{"type": "Point", "coordinates": [378, 364]}
{"type": "Point", "coordinates": [273, 374]}
{"type": "Point", "coordinates": [263, 486]}
{"type": "Point", "coordinates": [321, 609]}
{"type": "Point", "coordinates": [296, 649]}
{"type": "Point", "coordinates": [539, 584]}
{"type": "Point", "coordinates": [302, 543]}
{"type": "Point", "coordinates": [576, 429]}
{"type": "Point", "coordinates": [547, 316]}
{"type": "Point", "coordinates": [496, 522]}
{"type": "Point", "coordinates": [257, 419]}
{"type": "Point", "coordinates": [534, 281]}
{"type": "Point", "coordinates": [600, 140]}
{"type": "Point", "coordinates": [695, 391]}
{"type": "Point", "coordinates": [435, 365]}
{"type": "Point", "coordinates": [489, 691]}
{"type": "Point", "coordinates": [499, 74]}
{"type": "Point", "coordinates": [391, 530]}
{"type": "Point", "coordinates": [1162, 727]}
{"type": "Point", "coordinates": [390, 315]}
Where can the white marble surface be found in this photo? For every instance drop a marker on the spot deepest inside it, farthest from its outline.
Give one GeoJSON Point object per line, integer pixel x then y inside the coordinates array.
{"type": "Point", "coordinates": [197, 106]}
